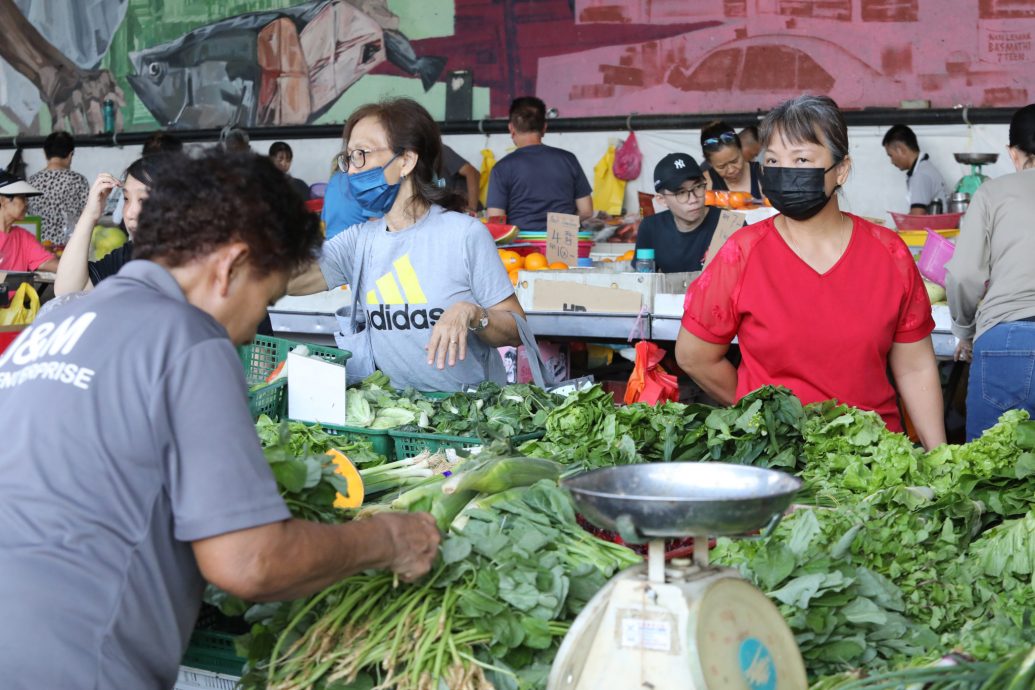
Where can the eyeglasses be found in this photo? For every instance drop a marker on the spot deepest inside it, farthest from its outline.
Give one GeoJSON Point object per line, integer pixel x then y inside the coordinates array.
{"type": "Point", "coordinates": [357, 157]}
{"type": "Point", "coordinates": [683, 195]}
{"type": "Point", "coordinates": [721, 140]}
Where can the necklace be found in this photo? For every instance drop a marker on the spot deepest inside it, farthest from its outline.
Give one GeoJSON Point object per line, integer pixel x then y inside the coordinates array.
{"type": "Point", "coordinates": [842, 243]}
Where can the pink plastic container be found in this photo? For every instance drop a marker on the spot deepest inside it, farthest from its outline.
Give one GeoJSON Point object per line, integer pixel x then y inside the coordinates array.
{"type": "Point", "coordinates": [936, 253]}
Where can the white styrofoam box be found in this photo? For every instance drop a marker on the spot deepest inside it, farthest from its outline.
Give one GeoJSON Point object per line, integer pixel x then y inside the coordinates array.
{"type": "Point", "coordinates": [942, 318]}
{"type": "Point", "coordinates": [668, 304]}
{"type": "Point", "coordinates": [646, 284]}
{"type": "Point", "coordinates": [196, 679]}
{"type": "Point", "coordinates": [609, 250]}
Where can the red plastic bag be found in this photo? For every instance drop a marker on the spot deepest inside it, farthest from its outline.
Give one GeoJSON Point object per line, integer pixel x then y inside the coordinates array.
{"type": "Point", "coordinates": [628, 159]}
{"type": "Point", "coordinates": [650, 383]}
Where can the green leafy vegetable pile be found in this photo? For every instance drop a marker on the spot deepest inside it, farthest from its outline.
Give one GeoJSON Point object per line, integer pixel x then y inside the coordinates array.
{"type": "Point", "coordinates": [588, 431]}
{"type": "Point", "coordinates": [488, 412]}
{"type": "Point", "coordinates": [515, 569]}
{"type": "Point", "coordinates": [899, 555]}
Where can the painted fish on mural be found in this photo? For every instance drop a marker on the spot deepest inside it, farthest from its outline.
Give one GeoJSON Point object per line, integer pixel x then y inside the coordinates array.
{"type": "Point", "coordinates": [277, 67]}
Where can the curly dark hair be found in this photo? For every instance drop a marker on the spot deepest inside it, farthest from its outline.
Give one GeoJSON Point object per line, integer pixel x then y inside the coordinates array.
{"type": "Point", "coordinates": [199, 204]}
{"type": "Point", "coordinates": [410, 127]}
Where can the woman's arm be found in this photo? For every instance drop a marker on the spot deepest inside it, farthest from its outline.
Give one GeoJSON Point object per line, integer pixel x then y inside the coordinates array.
{"type": "Point", "coordinates": [916, 377]}
{"type": "Point", "coordinates": [72, 273]}
{"type": "Point", "coordinates": [448, 342]}
{"type": "Point", "coordinates": [308, 282]}
{"type": "Point", "coordinates": [707, 365]}
{"type": "Point", "coordinates": [967, 273]}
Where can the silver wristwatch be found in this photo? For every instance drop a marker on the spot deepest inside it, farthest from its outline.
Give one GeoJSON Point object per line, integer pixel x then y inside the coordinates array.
{"type": "Point", "coordinates": [483, 322]}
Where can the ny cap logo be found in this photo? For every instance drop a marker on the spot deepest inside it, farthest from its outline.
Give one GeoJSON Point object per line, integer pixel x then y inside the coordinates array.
{"type": "Point", "coordinates": [389, 289]}
{"type": "Point", "coordinates": [679, 163]}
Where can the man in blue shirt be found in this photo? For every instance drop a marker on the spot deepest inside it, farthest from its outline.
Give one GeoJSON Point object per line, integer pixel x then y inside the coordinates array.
{"type": "Point", "coordinates": [536, 179]}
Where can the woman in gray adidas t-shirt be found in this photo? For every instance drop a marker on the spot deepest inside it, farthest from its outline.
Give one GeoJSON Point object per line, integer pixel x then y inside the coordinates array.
{"type": "Point", "coordinates": [431, 288]}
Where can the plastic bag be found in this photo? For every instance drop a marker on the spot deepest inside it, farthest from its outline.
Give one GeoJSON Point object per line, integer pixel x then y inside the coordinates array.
{"type": "Point", "coordinates": [488, 162]}
{"type": "Point", "coordinates": [649, 382]}
{"type": "Point", "coordinates": [608, 190]}
{"type": "Point", "coordinates": [19, 313]}
{"type": "Point", "coordinates": [628, 159]}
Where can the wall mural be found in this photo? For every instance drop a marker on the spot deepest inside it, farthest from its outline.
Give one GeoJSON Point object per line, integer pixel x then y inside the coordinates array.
{"type": "Point", "coordinates": [188, 64]}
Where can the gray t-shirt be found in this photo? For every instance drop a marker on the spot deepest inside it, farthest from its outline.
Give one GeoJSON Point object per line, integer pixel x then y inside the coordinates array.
{"type": "Point", "coordinates": [127, 437]}
{"type": "Point", "coordinates": [409, 278]}
{"type": "Point", "coordinates": [924, 183]}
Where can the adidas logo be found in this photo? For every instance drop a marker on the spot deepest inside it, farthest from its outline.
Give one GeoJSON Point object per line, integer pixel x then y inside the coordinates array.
{"type": "Point", "coordinates": [400, 288]}
{"type": "Point", "coordinates": [388, 288]}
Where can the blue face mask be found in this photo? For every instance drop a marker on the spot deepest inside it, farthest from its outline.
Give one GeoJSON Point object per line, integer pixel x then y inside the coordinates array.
{"type": "Point", "coordinates": [371, 190]}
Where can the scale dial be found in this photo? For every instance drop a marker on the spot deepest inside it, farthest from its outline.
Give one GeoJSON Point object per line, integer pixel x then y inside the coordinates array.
{"type": "Point", "coordinates": [743, 642]}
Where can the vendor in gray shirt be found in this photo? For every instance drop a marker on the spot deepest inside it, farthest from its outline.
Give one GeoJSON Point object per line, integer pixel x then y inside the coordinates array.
{"type": "Point", "coordinates": [435, 297]}
{"type": "Point", "coordinates": [131, 472]}
{"type": "Point", "coordinates": [924, 184]}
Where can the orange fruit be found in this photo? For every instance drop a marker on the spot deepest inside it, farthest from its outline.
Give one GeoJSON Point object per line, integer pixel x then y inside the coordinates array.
{"type": "Point", "coordinates": [609, 261]}
{"type": "Point", "coordinates": [535, 262]}
{"type": "Point", "coordinates": [628, 256]}
{"type": "Point", "coordinates": [558, 266]}
{"type": "Point", "coordinates": [513, 273]}
{"type": "Point", "coordinates": [511, 260]}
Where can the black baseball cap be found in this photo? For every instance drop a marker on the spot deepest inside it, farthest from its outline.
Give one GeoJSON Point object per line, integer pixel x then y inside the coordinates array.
{"type": "Point", "coordinates": [675, 169]}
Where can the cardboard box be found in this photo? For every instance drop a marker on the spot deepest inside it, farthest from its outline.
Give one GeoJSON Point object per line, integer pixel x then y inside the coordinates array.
{"type": "Point", "coordinates": [601, 292]}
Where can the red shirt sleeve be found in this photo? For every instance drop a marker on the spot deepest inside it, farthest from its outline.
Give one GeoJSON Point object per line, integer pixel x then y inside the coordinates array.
{"type": "Point", "coordinates": [33, 252]}
{"type": "Point", "coordinates": [915, 321]}
{"type": "Point", "coordinates": [710, 307]}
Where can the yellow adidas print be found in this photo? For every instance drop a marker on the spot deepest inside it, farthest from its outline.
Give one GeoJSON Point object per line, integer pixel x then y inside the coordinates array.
{"type": "Point", "coordinates": [389, 289]}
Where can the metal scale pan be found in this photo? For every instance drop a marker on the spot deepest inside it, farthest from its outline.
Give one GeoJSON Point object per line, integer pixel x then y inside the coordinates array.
{"type": "Point", "coordinates": [976, 158]}
{"type": "Point", "coordinates": [679, 499]}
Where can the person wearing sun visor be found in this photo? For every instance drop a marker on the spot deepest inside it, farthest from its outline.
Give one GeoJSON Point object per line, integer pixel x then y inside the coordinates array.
{"type": "Point", "coordinates": [821, 301]}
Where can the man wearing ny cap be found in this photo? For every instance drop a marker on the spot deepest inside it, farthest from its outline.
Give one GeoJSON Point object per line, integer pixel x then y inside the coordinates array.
{"type": "Point", "coordinates": [679, 236]}
{"type": "Point", "coordinates": [19, 250]}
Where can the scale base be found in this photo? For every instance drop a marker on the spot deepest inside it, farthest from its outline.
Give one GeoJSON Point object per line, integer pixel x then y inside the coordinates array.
{"type": "Point", "coordinates": [703, 628]}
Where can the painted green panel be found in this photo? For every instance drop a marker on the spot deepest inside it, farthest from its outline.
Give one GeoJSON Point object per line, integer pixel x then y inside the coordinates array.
{"type": "Point", "coordinates": [424, 18]}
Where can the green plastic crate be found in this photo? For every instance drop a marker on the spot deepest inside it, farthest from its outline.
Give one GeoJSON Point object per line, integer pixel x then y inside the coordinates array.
{"type": "Point", "coordinates": [378, 438]}
{"type": "Point", "coordinates": [213, 651]}
{"type": "Point", "coordinates": [264, 354]}
{"type": "Point", "coordinates": [409, 444]}
{"type": "Point", "coordinates": [269, 400]}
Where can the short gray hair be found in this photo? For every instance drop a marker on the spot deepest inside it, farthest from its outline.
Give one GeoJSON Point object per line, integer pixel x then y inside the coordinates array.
{"type": "Point", "coordinates": [808, 118]}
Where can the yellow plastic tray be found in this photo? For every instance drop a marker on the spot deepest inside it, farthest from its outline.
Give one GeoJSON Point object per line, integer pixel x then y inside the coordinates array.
{"type": "Point", "coordinates": [916, 238]}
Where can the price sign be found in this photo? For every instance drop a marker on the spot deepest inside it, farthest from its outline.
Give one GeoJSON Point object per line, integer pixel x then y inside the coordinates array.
{"type": "Point", "coordinates": [562, 238]}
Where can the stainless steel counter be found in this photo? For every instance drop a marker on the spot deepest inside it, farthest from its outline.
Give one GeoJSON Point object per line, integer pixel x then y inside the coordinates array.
{"type": "Point", "coordinates": [319, 328]}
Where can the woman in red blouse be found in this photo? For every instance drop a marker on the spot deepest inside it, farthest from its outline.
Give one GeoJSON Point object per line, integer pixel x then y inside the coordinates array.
{"type": "Point", "coordinates": [821, 301]}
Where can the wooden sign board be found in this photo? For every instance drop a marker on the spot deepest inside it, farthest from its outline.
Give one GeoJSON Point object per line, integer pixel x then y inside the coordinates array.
{"type": "Point", "coordinates": [729, 223]}
{"type": "Point", "coordinates": [561, 295]}
{"type": "Point", "coordinates": [562, 238]}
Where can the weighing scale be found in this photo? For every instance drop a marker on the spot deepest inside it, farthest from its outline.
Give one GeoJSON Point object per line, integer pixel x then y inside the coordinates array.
{"type": "Point", "coordinates": [683, 625]}
{"type": "Point", "coordinates": [968, 184]}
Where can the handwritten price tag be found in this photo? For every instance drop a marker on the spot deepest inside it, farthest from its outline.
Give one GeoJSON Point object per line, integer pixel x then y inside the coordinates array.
{"type": "Point", "coordinates": [562, 238]}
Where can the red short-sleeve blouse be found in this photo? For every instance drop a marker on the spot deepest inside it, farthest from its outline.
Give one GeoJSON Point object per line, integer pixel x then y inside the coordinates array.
{"type": "Point", "coordinates": [822, 336]}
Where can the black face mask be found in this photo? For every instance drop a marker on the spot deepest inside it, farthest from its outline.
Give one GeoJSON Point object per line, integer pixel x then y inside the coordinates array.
{"type": "Point", "coordinates": [797, 193]}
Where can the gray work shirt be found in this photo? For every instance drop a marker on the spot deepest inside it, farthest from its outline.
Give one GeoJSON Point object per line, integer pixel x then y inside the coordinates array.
{"type": "Point", "coordinates": [409, 278]}
{"type": "Point", "coordinates": [924, 183]}
{"type": "Point", "coordinates": [127, 436]}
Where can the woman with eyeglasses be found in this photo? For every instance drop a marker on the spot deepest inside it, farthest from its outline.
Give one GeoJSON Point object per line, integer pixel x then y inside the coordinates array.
{"type": "Point", "coordinates": [434, 296]}
{"type": "Point", "coordinates": [820, 301]}
{"type": "Point", "coordinates": [729, 170]}
{"type": "Point", "coordinates": [679, 236]}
